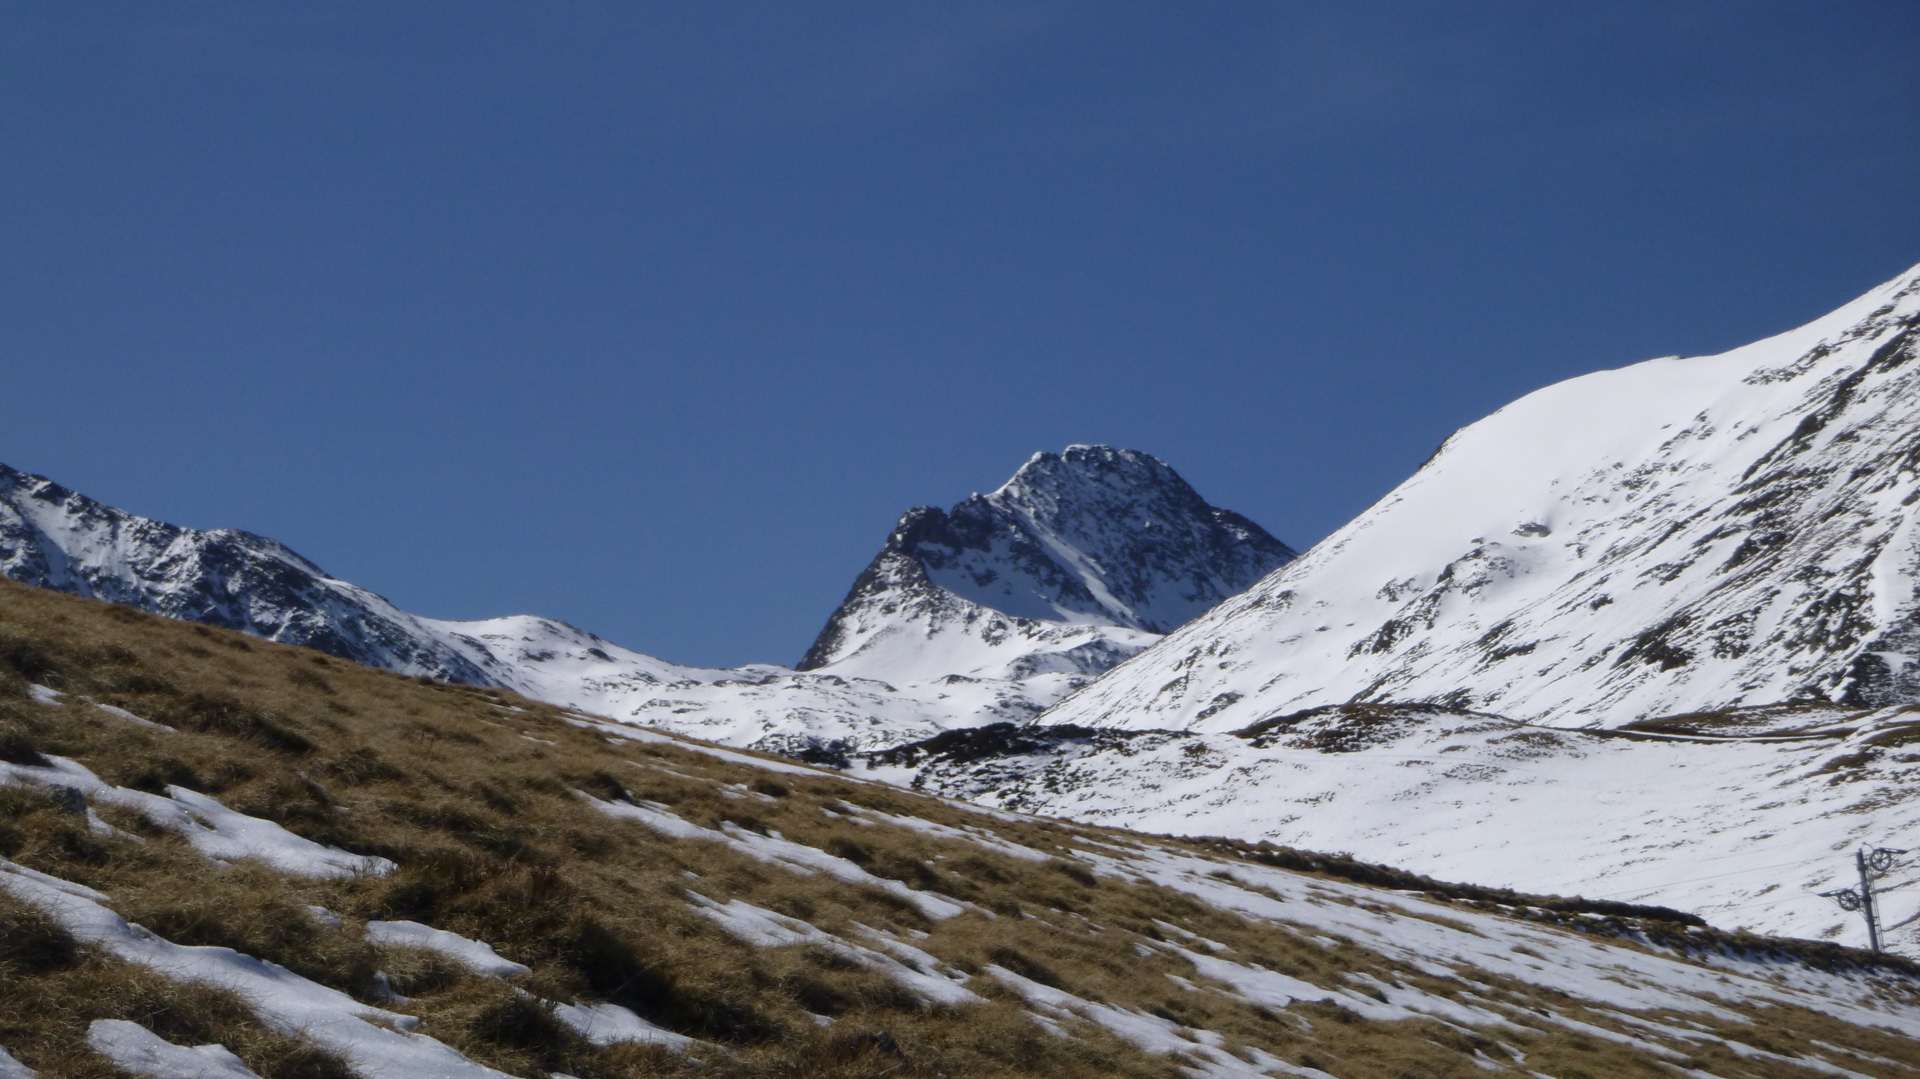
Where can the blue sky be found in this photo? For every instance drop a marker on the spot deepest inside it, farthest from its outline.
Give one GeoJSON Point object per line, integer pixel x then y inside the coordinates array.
{"type": "Point", "coordinates": [654, 317]}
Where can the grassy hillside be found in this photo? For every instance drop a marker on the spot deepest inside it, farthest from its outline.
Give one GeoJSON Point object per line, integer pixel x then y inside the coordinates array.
{"type": "Point", "coordinates": [659, 907]}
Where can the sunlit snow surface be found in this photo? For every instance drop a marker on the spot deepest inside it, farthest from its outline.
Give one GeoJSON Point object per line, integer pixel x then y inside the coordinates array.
{"type": "Point", "coordinates": [947, 678]}
{"type": "Point", "coordinates": [212, 828]}
{"type": "Point", "coordinates": [1440, 941]}
{"type": "Point", "coordinates": [1678, 535]}
{"type": "Point", "coordinates": [609, 1024]}
{"type": "Point", "coordinates": [1745, 833]}
{"type": "Point", "coordinates": [138, 1051]}
{"type": "Point", "coordinates": [916, 970]}
{"type": "Point", "coordinates": [472, 954]}
{"type": "Point", "coordinates": [1148, 1032]}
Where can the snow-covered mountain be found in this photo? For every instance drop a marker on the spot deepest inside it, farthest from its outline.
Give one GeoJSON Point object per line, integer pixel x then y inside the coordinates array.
{"type": "Point", "coordinates": [1079, 560]}
{"type": "Point", "coordinates": [1680, 535]}
{"type": "Point", "coordinates": [54, 537]}
{"type": "Point", "coordinates": [1647, 634]}
{"type": "Point", "coordinates": [991, 611]}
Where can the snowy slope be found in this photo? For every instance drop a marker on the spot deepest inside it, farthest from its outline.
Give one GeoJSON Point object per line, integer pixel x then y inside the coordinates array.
{"type": "Point", "coordinates": [1681, 534]}
{"type": "Point", "coordinates": [760, 705]}
{"type": "Point", "coordinates": [991, 612]}
{"type": "Point", "coordinates": [1742, 818]}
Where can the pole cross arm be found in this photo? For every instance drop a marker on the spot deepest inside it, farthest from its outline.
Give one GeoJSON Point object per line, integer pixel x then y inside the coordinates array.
{"type": "Point", "coordinates": [1881, 858]}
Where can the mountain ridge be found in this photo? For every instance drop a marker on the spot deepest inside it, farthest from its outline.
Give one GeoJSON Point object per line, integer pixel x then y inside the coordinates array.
{"type": "Point", "coordinates": [1676, 535]}
{"type": "Point", "coordinates": [1632, 623]}
{"type": "Point", "coordinates": [55, 537]}
{"type": "Point", "coordinates": [933, 658]}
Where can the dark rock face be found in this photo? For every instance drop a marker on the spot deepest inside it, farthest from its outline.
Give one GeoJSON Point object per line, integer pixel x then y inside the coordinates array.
{"type": "Point", "coordinates": [1092, 536]}
{"type": "Point", "coordinates": [52, 537]}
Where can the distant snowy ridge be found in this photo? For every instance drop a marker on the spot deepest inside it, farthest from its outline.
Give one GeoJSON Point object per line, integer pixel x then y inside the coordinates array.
{"type": "Point", "coordinates": [1682, 534]}
{"type": "Point", "coordinates": [1078, 562]}
{"type": "Point", "coordinates": [54, 537]}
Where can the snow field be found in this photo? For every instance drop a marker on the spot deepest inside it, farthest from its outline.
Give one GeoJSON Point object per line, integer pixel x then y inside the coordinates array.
{"type": "Point", "coordinates": [1744, 832]}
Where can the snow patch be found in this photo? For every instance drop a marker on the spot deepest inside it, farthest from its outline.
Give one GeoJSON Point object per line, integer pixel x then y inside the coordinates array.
{"type": "Point", "coordinates": [910, 967]}
{"type": "Point", "coordinates": [212, 828]}
{"type": "Point", "coordinates": [611, 1024]}
{"type": "Point", "coordinates": [285, 1001]}
{"type": "Point", "coordinates": [134, 1049]}
{"type": "Point", "coordinates": [470, 953]}
{"type": "Point", "coordinates": [775, 850]}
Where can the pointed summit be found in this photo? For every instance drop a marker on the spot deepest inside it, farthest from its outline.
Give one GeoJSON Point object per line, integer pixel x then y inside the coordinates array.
{"type": "Point", "coordinates": [1082, 463]}
{"type": "Point", "coordinates": [1093, 537]}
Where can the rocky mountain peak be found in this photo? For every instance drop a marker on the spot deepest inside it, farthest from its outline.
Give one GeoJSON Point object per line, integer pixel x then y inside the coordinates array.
{"type": "Point", "coordinates": [1093, 536]}
{"type": "Point", "coordinates": [54, 537]}
{"type": "Point", "coordinates": [1081, 465]}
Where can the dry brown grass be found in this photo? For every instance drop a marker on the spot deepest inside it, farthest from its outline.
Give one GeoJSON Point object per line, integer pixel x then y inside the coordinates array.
{"type": "Point", "coordinates": [494, 842]}
{"type": "Point", "coordinates": [51, 988]}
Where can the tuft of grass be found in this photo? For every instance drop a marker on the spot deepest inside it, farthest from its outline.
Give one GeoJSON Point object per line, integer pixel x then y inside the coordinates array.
{"type": "Point", "coordinates": [220, 713]}
{"type": "Point", "coordinates": [522, 1022]}
{"type": "Point", "coordinates": [1076, 872]}
{"type": "Point", "coordinates": [1026, 966]}
{"type": "Point", "coordinates": [31, 942]}
{"type": "Point", "coordinates": [154, 774]}
{"type": "Point", "coordinates": [617, 969]}
{"type": "Point", "coordinates": [431, 879]}
{"type": "Point", "coordinates": [16, 747]}
{"type": "Point", "coordinates": [306, 678]}
{"type": "Point", "coordinates": [22, 653]}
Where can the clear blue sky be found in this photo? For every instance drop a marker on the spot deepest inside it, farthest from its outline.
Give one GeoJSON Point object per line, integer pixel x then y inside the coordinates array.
{"type": "Point", "coordinates": [654, 317]}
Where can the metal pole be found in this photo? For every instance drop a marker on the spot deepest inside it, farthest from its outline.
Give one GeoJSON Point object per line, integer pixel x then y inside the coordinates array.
{"type": "Point", "coordinates": [1866, 898]}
